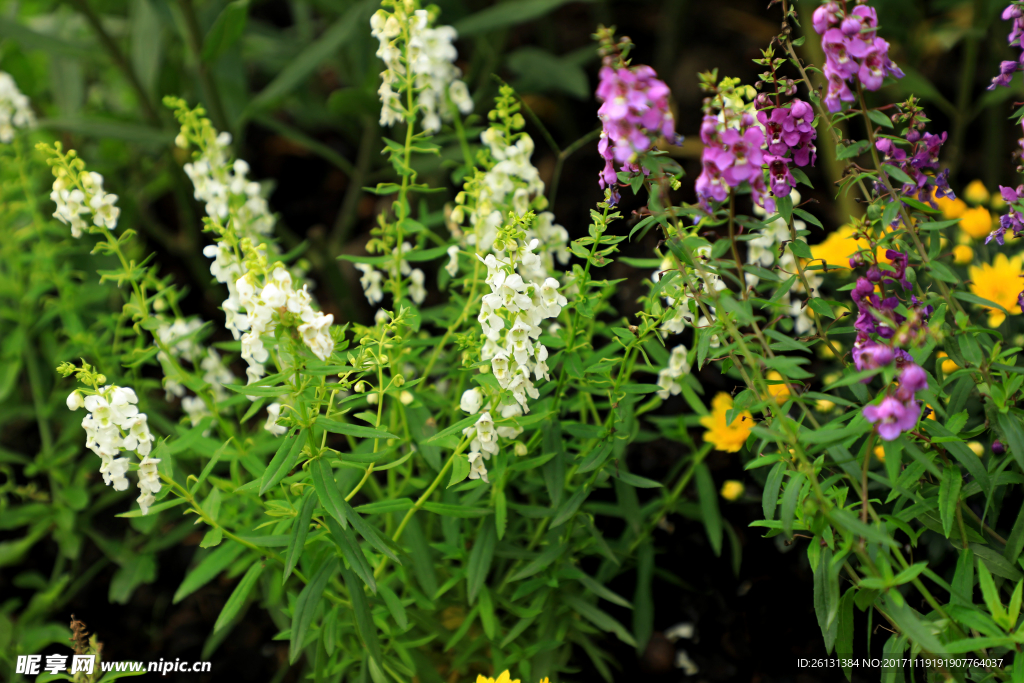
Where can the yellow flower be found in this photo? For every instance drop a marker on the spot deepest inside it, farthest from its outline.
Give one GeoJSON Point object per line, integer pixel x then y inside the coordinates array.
{"type": "Point", "coordinates": [726, 437]}
{"type": "Point", "coordinates": [503, 678]}
{"type": "Point", "coordinates": [779, 391]}
{"type": "Point", "coordinates": [824, 405]}
{"type": "Point", "coordinates": [732, 489]}
{"type": "Point", "coordinates": [976, 448]}
{"type": "Point", "coordinates": [838, 247]}
{"type": "Point", "coordinates": [976, 222]}
{"type": "Point", "coordinates": [880, 453]}
{"type": "Point", "coordinates": [962, 254]}
{"type": "Point", "coordinates": [948, 366]}
{"type": "Point", "coordinates": [998, 282]}
{"type": "Point", "coordinates": [976, 193]}
{"type": "Point", "coordinates": [951, 208]}
{"type": "Point", "coordinates": [998, 202]}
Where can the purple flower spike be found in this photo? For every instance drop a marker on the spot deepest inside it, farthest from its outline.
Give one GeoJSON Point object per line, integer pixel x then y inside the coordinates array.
{"type": "Point", "coordinates": [852, 50]}
{"type": "Point", "coordinates": [871, 355]}
{"type": "Point", "coordinates": [892, 417]}
{"type": "Point", "coordinates": [634, 113]}
{"type": "Point", "coordinates": [1009, 68]}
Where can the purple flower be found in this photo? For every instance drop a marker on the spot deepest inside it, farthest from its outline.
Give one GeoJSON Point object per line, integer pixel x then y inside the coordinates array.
{"type": "Point", "coordinates": [634, 113]}
{"type": "Point", "coordinates": [852, 50]}
{"type": "Point", "coordinates": [1007, 69]}
{"type": "Point", "coordinates": [892, 417]}
{"type": "Point", "coordinates": [1010, 195]}
{"type": "Point", "coordinates": [998, 448]}
{"type": "Point", "coordinates": [732, 155]}
{"type": "Point", "coordinates": [912, 380]}
{"type": "Point", "coordinates": [870, 355]}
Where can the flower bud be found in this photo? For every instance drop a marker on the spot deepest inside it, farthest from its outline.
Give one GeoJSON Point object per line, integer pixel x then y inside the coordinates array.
{"type": "Point", "coordinates": [361, 386]}
{"type": "Point", "coordinates": [519, 449]}
{"type": "Point", "coordinates": [998, 448]}
{"type": "Point", "coordinates": [75, 400]}
{"type": "Point", "coordinates": [405, 397]}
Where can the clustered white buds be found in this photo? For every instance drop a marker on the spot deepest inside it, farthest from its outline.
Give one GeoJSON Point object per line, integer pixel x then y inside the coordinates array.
{"type": "Point", "coordinates": [511, 183]}
{"type": "Point", "coordinates": [15, 111]}
{"type": "Point", "coordinates": [372, 280]}
{"type": "Point", "coordinates": [677, 294]}
{"type": "Point", "coordinates": [510, 317]}
{"type": "Point", "coordinates": [257, 303]}
{"type": "Point", "coordinates": [114, 422]}
{"type": "Point", "coordinates": [668, 378]}
{"type": "Point", "coordinates": [79, 202]}
{"type": "Point", "coordinates": [765, 251]}
{"type": "Point", "coordinates": [277, 301]}
{"type": "Point", "coordinates": [410, 45]}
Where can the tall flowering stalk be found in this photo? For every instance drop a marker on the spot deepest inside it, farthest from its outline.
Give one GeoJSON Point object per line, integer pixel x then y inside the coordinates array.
{"type": "Point", "coordinates": [1014, 12]}
{"type": "Point", "coordinates": [634, 112]}
{"type": "Point", "coordinates": [854, 53]}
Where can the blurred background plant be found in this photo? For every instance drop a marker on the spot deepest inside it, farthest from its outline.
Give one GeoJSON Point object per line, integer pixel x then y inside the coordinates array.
{"type": "Point", "coordinates": [295, 83]}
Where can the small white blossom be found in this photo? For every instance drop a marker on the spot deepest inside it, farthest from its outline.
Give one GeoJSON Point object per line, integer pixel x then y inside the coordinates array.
{"type": "Point", "coordinates": [272, 425]}
{"type": "Point", "coordinates": [15, 111]}
{"type": "Point", "coordinates": [471, 401]}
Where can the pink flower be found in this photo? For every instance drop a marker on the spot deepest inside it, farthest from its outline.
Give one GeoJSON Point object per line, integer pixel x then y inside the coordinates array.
{"type": "Point", "coordinates": [892, 417]}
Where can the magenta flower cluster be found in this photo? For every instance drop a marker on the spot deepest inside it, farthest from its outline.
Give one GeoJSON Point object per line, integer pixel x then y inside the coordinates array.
{"type": "Point", "coordinates": [1014, 13]}
{"type": "Point", "coordinates": [1012, 221]}
{"type": "Point", "coordinates": [731, 156]}
{"type": "Point", "coordinates": [921, 154]}
{"type": "Point", "coordinates": [900, 412]}
{"type": "Point", "coordinates": [634, 114]}
{"type": "Point", "coordinates": [790, 134]}
{"type": "Point", "coordinates": [876, 316]}
{"type": "Point", "coordinates": [853, 50]}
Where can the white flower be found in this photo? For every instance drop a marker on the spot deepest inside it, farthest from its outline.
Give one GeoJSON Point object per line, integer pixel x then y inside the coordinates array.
{"type": "Point", "coordinates": [75, 400]}
{"type": "Point", "coordinates": [316, 334]}
{"type": "Point", "coordinates": [139, 439]}
{"type": "Point", "coordinates": [485, 428]}
{"type": "Point", "coordinates": [471, 401]}
{"type": "Point", "coordinates": [273, 414]}
{"type": "Point", "coordinates": [476, 467]}
{"type": "Point", "coordinates": [371, 281]}
{"type": "Point", "coordinates": [406, 398]}
{"type": "Point", "coordinates": [15, 111]}
{"type": "Point", "coordinates": [416, 289]}
{"type": "Point", "coordinates": [113, 472]}
{"type": "Point", "coordinates": [453, 263]}
{"type": "Point", "coordinates": [149, 483]}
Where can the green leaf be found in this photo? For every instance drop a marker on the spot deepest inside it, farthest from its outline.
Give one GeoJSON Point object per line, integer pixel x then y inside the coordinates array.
{"type": "Point", "coordinates": [789, 501]}
{"type": "Point", "coordinates": [882, 120]}
{"type": "Point", "coordinates": [308, 601]}
{"type": "Point", "coordinates": [504, 15]}
{"type": "Point", "coordinates": [163, 505]}
{"type": "Point", "coordinates": [382, 507]}
{"type": "Point", "coordinates": [541, 71]}
{"type": "Point", "coordinates": [306, 62]}
{"type": "Point", "coordinates": [147, 38]}
{"type": "Point", "coordinates": [770, 495]}
{"type": "Point", "coordinates": [826, 597]}
{"type": "Point", "coordinates": [897, 173]}
{"type": "Point", "coordinates": [135, 571]}
{"type": "Point", "coordinates": [975, 299]}
{"type": "Point", "coordinates": [569, 506]}
{"type": "Point", "coordinates": [598, 618]}
{"type": "Point", "coordinates": [226, 30]}
{"type": "Point", "coordinates": [327, 490]}
{"type": "Point", "coordinates": [297, 542]}
{"type": "Point", "coordinates": [1009, 424]}
{"type": "Point", "coordinates": [963, 579]}
{"type": "Point", "coordinates": [212, 565]}
{"type": "Point", "coordinates": [909, 623]}
{"type": "Point", "coordinates": [500, 513]}
{"type": "Point", "coordinates": [844, 636]}
{"type": "Point", "coordinates": [282, 463]}
{"type": "Point", "coordinates": [643, 614]}
{"type": "Point", "coordinates": [394, 606]}
{"type": "Point", "coordinates": [637, 481]}
{"type": "Point", "coordinates": [949, 496]}
{"type": "Point", "coordinates": [479, 564]}
{"type": "Point", "coordinates": [461, 511]}
{"type": "Point", "coordinates": [237, 599]}
{"type": "Point", "coordinates": [990, 593]}
{"type": "Point", "coordinates": [995, 562]}
{"type": "Point", "coordinates": [539, 563]}
{"type": "Point", "coordinates": [350, 550]}
{"type": "Point", "coordinates": [353, 430]}
{"type": "Point", "coordinates": [709, 512]}
{"type": "Point", "coordinates": [454, 429]}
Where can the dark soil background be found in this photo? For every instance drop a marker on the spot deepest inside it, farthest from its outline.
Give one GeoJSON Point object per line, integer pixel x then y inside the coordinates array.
{"type": "Point", "coordinates": [748, 627]}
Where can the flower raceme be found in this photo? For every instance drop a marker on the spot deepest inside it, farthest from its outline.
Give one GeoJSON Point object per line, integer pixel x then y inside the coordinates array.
{"type": "Point", "coordinates": [789, 135]}
{"type": "Point", "coordinates": [15, 110]}
{"type": "Point", "coordinates": [412, 48]}
{"type": "Point", "coordinates": [853, 51]}
{"type": "Point", "coordinates": [634, 113]}
{"type": "Point", "coordinates": [1015, 13]}
{"type": "Point", "coordinates": [114, 422]}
